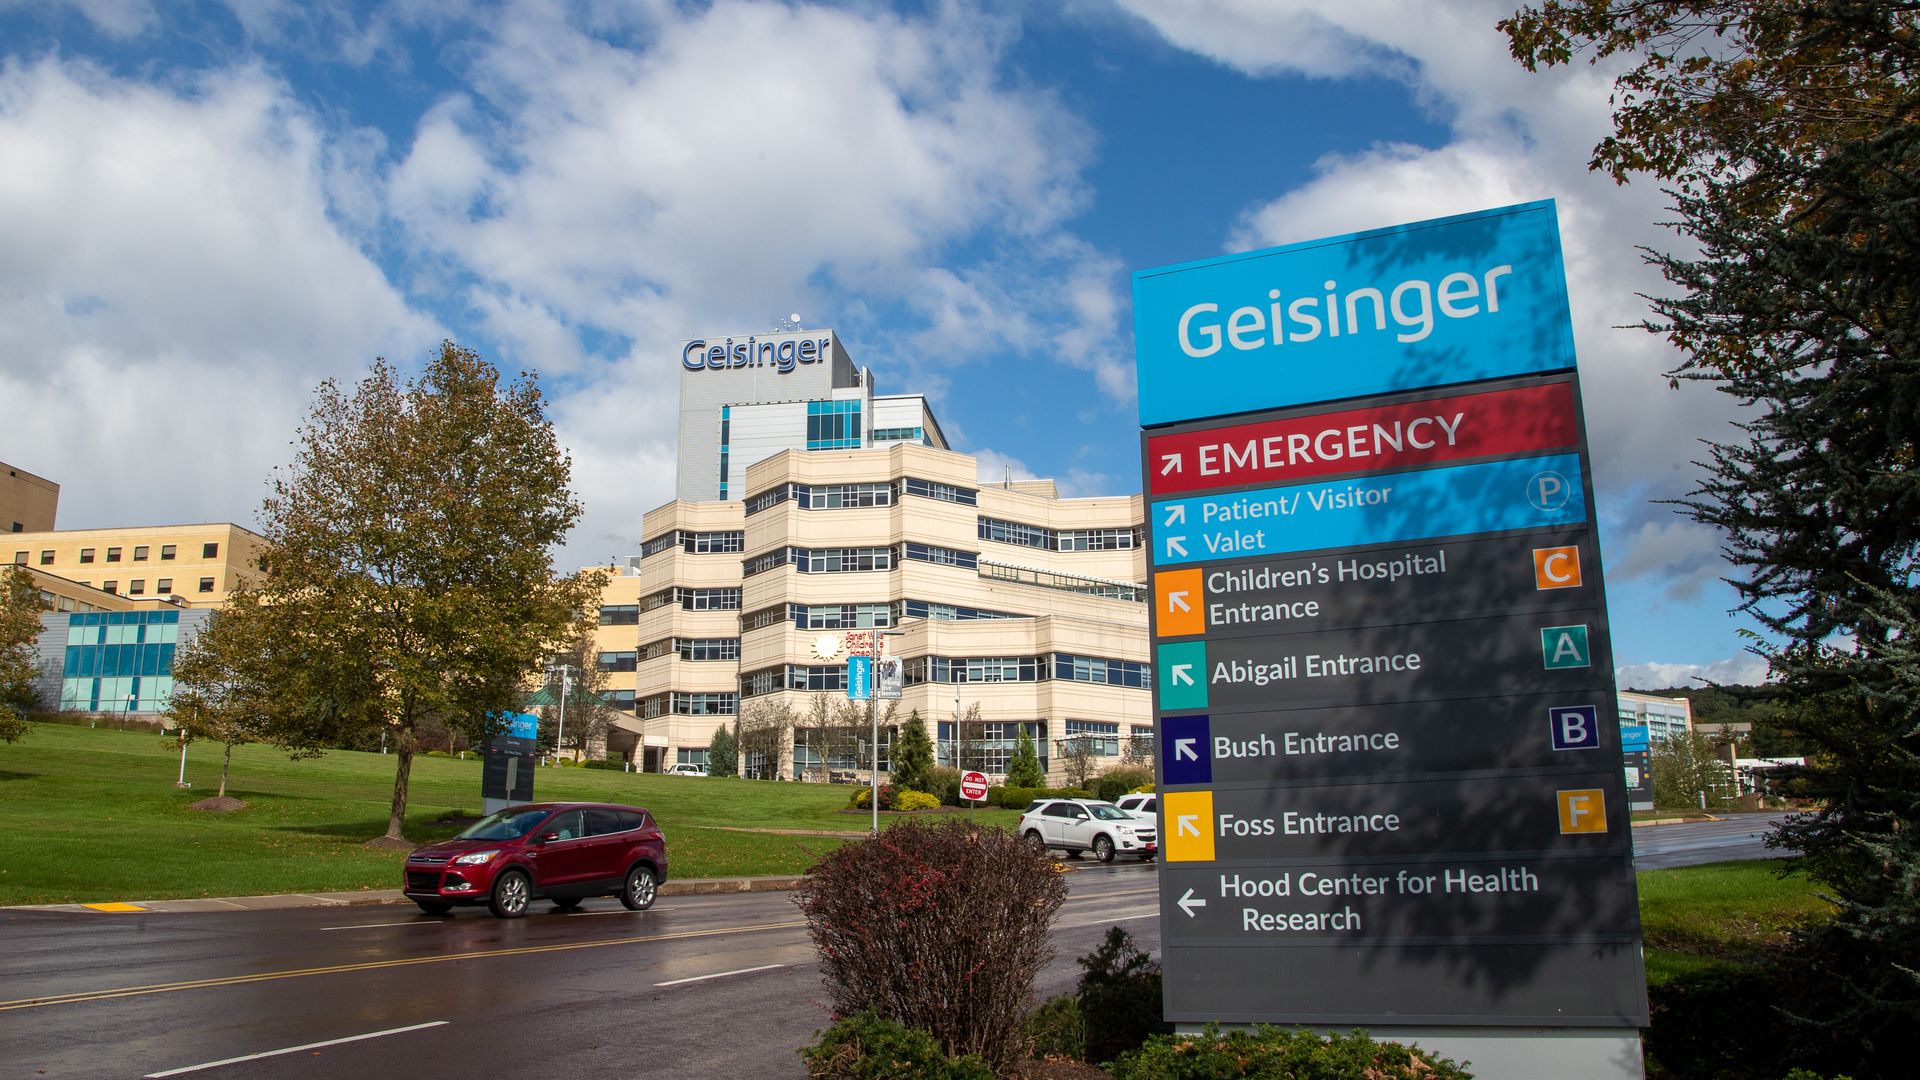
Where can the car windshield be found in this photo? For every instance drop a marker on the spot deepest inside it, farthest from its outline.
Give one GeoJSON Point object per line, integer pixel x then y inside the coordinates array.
{"type": "Point", "coordinates": [509, 824]}
{"type": "Point", "coordinates": [1109, 812]}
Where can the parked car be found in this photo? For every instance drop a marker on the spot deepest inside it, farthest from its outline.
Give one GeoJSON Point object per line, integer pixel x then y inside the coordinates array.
{"type": "Point", "coordinates": [686, 769]}
{"type": "Point", "coordinates": [563, 852]}
{"type": "Point", "coordinates": [1076, 825]}
{"type": "Point", "coordinates": [1143, 805]}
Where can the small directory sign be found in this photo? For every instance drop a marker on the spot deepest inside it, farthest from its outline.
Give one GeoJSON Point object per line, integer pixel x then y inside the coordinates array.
{"type": "Point", "coordinates": [1390, 773]}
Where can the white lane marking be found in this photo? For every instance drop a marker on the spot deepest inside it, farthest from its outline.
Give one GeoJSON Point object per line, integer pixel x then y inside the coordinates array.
{"type": "Point", "coordinates": [721, 975]}
{"type": "Point", "coordinates": [295, 1049]}
{"type": "Point", "coordinates": [375, 925]}
{"type": "Point", "coordinates": [1103, 920]}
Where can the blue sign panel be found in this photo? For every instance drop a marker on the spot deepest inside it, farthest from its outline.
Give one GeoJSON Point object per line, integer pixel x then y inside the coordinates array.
{"type": "Point", "coordinates": [1519, 493]}
{"type": "Point", "coordinates": [859, 678]}
{"type": "Point", "coordinates": [1633, 739]}
{"type": "Point", "coordinates": [1186, 750]}
{"type": "Point", "coordinates": [1450, 300]}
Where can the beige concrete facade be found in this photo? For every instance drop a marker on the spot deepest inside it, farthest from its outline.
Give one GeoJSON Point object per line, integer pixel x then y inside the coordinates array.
{"type": "Point", "coordinates": [59, 594]}
{"type": "Point", "coordinates": [194, 565]}
{"type": "Point", "coordinates": [28, 503]}
{"type": "Point", "coordinates": [1021, 603]}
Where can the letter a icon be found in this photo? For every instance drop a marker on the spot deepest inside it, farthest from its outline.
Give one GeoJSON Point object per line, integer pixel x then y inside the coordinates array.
{"type": "Point", "coordinates": [1564, 647]}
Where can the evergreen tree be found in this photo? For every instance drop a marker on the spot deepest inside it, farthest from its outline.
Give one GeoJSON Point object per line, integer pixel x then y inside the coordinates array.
{"type": "Point", "coordinates": [723, 751]}
{"type": "Point", "coordinates": [1786, 133]}
{"type": "Point", "coordinates": [1024, 769]}
{"type": "Point", "coordinates": [913, 756]}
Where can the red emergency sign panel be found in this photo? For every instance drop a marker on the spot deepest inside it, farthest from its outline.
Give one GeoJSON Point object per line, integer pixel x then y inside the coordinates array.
{"type": "Point", "coordinates": [1493, 424]}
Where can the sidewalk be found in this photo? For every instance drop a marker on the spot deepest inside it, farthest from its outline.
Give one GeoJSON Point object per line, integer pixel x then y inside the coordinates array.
{"type": "Point", "coordinates": [689, 887]}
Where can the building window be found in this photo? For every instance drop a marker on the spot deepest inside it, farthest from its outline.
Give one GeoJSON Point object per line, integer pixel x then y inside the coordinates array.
{"type": "Point", "coordinates": [1101, 740]}
{"type": "Point", "coordinates": [842, 616]}
{"type": "Point", "coordinates": [846, 496]}
{"type": "Point", "coordinates": [140, 553]}
{"type": "Point", "coordinates": [713, 543]}
{"type": "Point", "coordinates": [653, 650]}
{"type": "Point", "coordinates": [940, 556]}
{"type": "Point", "coordinates": [19, 558]}
{"type": "Point", "coordinates": [1099, 539]}
{"type": "Point", "coordinates": [843, 560]}
{"type": "Point", "coordinates": [770, 498]}
{"type": "Point", "coordinates": [988, 746]}
{"type": "Point", "coordinates": [46, 558]}
{"type": "Point", "coordinates": [899, 434]}
{"type": "Point", "coordinates": [1014, 532]}
{"type": "Point", "coordinates": [922, 609]}
{"type": "Point", "coordinates": [930, 489]}
{"type": "Point", "coordinates": [721, 704]}
{"type": "Point", "coordinates": [209, 551]}
{"type": "Point", "coordinates": [767, 560]}
{"type": "Point", "coordinates": [113, 554]}
{"type": "Point", "coordinates": [164, 586]}
{"type": "Point", "coordinates": [110, 586]}
{"type": "Point", "coordinates": [973, 669]}
{"type": "Point", "coordinates": [137, 587]}
{"type": "Point", "coordinates": [1094, 669]}
{"type": "Point", "coordinates": [833, 425]}
{"type": "Point", "coordinates": [708, 648]}
{"type": "Point", "coordinates": [765, 617]}
{"type": "Point", "coordinates": [206, 584]}
{"type": "Point", "coordinates": [619, 614]}
{"type": "Point", "coordinates": [615, 661]}
{"type": "Point", "coordinates": [86, 555]}
{"type": "Point", "coordinates": [709, 599]}
{"type": "Point", "coordinates": [166, 552]}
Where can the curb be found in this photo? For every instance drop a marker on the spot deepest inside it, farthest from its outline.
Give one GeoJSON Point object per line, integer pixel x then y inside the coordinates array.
{"type": "Point", "coordinates": [368, 897]}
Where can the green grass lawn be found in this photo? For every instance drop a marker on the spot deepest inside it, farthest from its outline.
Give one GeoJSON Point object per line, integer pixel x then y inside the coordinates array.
{"type": "Point", "coordinates": [92, 815]}
{"type": "Point", "coordinates": [1695, 917]}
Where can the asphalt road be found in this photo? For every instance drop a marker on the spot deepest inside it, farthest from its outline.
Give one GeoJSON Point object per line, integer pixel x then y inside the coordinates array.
{"type": "Point", "coordinates": [1740, 836]}
{"type": "Point", "coordinates": [697, 987]}
{"type": "Point", "coordinates": [701, 986]}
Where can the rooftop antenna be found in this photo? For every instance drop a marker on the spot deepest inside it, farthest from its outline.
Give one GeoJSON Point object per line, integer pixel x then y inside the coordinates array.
{"type": "Point", "coordinates": [1008, 482]}
{"type": "Point", "coordinates": [787, 325]}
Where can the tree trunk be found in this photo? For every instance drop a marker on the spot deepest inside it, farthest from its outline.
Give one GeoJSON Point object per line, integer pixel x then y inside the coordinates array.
{"type": "Point", "coordinates": [403, 751]}
{"type": "Point", "coordinates": [225, 765]}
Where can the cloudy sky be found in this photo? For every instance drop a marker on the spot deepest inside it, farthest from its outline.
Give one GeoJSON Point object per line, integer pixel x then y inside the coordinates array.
{"type": "Point", "coordinates": [206, 208]}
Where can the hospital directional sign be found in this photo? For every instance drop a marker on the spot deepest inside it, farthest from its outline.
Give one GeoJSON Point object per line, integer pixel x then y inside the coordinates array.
{"type": "Point", "coordinates": [1383, 681]}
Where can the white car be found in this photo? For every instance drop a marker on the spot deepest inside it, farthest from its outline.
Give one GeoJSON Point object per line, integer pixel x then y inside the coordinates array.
{"type": "Point", "coordinates": [1076, 825]}
{"type": "Point", "coordinates": [1143, 805]}
{"type": "Point", "coordinates": [686, 769]}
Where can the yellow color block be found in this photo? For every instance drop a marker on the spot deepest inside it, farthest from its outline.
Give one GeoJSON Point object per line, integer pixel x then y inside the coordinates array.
{"type": "Point", "coordinates": [115, 907]}
{"type": "Point", "coordinates": [1188, 831]}
{"type": "Point", "coordinates": [1582, 810]}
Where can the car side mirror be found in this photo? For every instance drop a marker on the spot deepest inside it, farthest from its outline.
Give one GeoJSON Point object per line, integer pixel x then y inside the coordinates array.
{"type": "Point", "coordinates": [549, 837]}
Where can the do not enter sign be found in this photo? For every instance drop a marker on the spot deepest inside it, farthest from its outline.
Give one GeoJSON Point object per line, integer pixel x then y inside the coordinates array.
{"type": "Point", "coordinates": [973, 786]}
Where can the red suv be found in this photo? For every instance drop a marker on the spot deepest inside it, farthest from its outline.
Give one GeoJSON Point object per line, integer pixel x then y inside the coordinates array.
{"type": "Point", "coordinates": [564, 852]}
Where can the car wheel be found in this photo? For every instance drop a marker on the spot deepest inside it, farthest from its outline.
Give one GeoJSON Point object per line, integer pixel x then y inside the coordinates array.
{"type": "Point", "coordinates": [434, 907]}
{"type": "Point", "coordinates": [567, 903]}
{"type": "Point", "coordinates": [641, 889]}
{"type": "Point", "coordinates": [511, 894]}
{"type": "Point", "coordinates": [1035, 840]}
{"type": "Point", "coordinates": [1103, 849]}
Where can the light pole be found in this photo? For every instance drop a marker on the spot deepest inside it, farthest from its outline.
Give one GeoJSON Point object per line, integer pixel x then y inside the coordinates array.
{"type": "Point", "coordinates": [873, 712]}
{"type": "Point", "coordinates": [566, 683]}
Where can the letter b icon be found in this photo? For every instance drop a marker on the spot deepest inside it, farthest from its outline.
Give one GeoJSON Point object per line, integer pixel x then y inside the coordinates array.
{"type": "Point", "coordinates": [1575, 727]}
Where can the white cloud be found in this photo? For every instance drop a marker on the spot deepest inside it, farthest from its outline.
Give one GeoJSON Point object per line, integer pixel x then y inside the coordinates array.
{"type": "Point", "coordinates": [171, 288]}
{"type": "Point", "coordinates": [1747, 670]}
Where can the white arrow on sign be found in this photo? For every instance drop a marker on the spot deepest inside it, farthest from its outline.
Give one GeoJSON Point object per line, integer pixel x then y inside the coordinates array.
{"type": "Point", "coordinates": [1177, 601]}
{"type": "Point", "coordinates": [1176, 545]}
{"type": "Point", "coordinates": [1183, 674]}
{"type": "Point", "coordinates": [1189, 825]}
{"type": "Point", "coordinates": [1189, 902]}
{"type": "Point", "coordinates": [1169, 463]}
{"type": "Point", "coordinates": [1176, 515]}
{"type": "Point", "coordinates": [1183, 748]}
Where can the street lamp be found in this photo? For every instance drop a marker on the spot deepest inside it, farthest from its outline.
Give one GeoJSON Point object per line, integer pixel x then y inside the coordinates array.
{"type": "Point", "coordinates": [873, 711]}
{"type": "Point", "coordinates": [566, 683]}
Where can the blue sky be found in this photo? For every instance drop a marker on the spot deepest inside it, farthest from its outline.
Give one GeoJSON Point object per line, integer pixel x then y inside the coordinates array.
{"type": "Point", "coordinates": [207, 207]}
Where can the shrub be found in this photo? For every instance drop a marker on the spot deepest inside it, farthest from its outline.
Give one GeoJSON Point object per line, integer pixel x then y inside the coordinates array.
{"type": "Point", "coordinates": [904, 927]}
{"type": "Point", "coordinates": [1275, 1052]}
{"type": "Point", "coordinates": [1017, 798]}
{"type": "Point", "coordinates": [862, 798]}
{"type": "Point", "coordinates": [1117, 782]}
{"type": "Point", "coordinates": [611, 761]}
{"type": "Point", "coordinates": [866, 1047]}
{"type": "Point", "coordinates": [945, 783]}
{"type": "Point", "coordinates": [914, 800]}
{"type": "Point", "coordinates": [1119, 997]}
{"type": "Point", "coordinates": [1056, 1029]}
